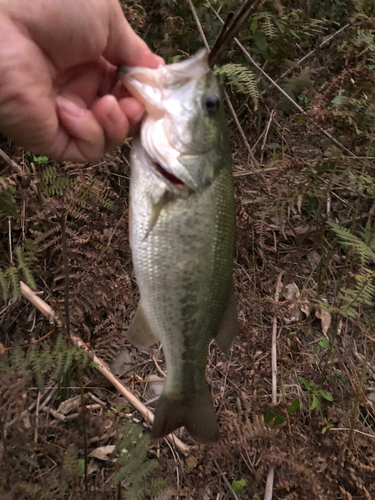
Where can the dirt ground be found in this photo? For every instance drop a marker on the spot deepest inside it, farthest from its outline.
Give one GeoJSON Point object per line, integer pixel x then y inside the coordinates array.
{"type": "Point", "coordinates": [318, 438]}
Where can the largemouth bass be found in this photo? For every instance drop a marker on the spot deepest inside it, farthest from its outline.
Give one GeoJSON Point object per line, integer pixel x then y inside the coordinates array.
{"type": "Point", "coordinates": [182, 228]}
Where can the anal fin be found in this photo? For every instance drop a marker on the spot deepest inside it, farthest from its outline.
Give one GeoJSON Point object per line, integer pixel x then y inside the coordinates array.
{"type": "Point", "coordinates": [139, 333]}
{"type": "Point", "coordinates": [229, 326]}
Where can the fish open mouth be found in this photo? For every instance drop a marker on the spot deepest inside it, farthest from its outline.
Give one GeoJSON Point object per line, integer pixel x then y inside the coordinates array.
{"type": "Point", "coordinates": [167, 175]}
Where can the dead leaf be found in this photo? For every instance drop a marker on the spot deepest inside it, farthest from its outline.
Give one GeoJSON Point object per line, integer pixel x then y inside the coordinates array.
{"type": "Point", "coordinates": [325, 318]}
{"type": "Point", "coordinates": [122, 363]}
{"type": "Point", "coordinates": [156, 386]}
{"type": "Point", "coordinates": [292, 291]}
{"type": "Point", "coordinates": [102, 452]}
{"type": "Point", "coordinates": [191, 462]}
{"type": "Point", "coordinates": [69, 405]}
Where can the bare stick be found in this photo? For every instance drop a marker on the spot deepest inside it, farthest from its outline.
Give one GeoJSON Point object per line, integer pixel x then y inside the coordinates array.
{"type": "Point", "coordinates": [267, 129]}
{"type": "Point", "coordinates": [271, 472]}
{"type": "Point", "coordinates": [47, 311]}
{"type": "Point", "coordinates": [326, 40]}
{"type": "Point", "coordinates": [274, 342]}
{"type": "Point", "coordinates": [37, 302]}
{"type": "Point", "coordinates": [227, 483]}
{"type": "Point", "coordinates": [17, 168]}
{"type": "Point", "coordinates": [198, 23]}
{"type": "Point", "coordinates": [240, 129]}
{"type": "Point", "coordinates": [10, 162]}
{"type": "Point", "coordinates": [287, 96]}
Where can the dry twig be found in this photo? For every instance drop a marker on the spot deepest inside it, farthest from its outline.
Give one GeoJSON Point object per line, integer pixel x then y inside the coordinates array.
{"type": "Point", "coordinates": [287, 96]}
{"type": "Point", "coordinates": [271, 472]}
{"type": "Point", "coordinates": [101, 366]}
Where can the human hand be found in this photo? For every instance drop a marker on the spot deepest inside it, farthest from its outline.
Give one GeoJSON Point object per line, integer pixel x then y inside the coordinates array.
{"type": "Point", "coordinates": [59, 91]}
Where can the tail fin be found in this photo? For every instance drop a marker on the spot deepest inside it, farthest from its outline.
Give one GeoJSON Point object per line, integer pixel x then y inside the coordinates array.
{"type": "Point", "coordinates": [196, 413]}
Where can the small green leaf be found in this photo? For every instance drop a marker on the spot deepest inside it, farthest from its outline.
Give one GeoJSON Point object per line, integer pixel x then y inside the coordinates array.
{"type": "Point", "coordinates": [338, 100]}
{"type": "Point", "coordinates": [279, 419]}
{"type": "Point", "coordinates": [315, 402]}
{"type": "Point", "coordinates": [238, 486]}
{"type": "Point", "coordinates": [269, 416]}
{"type": "Point", "coordinates": [93, 365]}
{"type": "Point", "coordinates": [324, 342]}
{"type": "Point", "coordinates": [305, 383]}
{"type": "Point", "coordinates": [328, 397]}
{"type": "Point", "coordinates": [256, 497]}
{"type": "Point", "coordinates": [294, 407]}
{"type": "Point", "coordinates": [41, 159]}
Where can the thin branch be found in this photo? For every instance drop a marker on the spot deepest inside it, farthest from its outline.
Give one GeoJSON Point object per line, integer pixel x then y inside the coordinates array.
{"type": "Point", "coordinates": [324, 42]}
{"type": "Point", "coordinates": [271, 472]}
{"type": "Point", "coordinates": [372, 436]}
{"type": "Point", "coordinates": [287, 96]}
{"type": "Point", "coordinates": [198, 23]}
{"type": "Point", "coordinates": [37, 302]}
{"type": "Point", "coordinates": [240, 129]}
{"type": "Point", "coordinates": [47, 311]}
{"type": "Point", "coordinates": [10, 162]}
{"type": "Point", "coordinates": [227, 483]}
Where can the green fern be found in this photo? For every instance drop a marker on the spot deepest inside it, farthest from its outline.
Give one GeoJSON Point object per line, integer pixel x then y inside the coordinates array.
{"type": "Point", "coordinates": [362, 248]}
{"type": "Point", "coordinates": [365, 40]}
{"type": "Point", "coordinates": [8, 204]}
{"type": "Point", "coordinates": [241, 78]}
{"type": "Point", "coordinates": [10, 278]}
{"type": "Point", "coordinates": [267, 25]}
{"type": "Point", "coordinates": [133, 465]}
{"type": "Point", "coordinates": [54, 182]}
{"type": "Point", "coordinates": [363, 292]}
{"type": "Point", "coordinates": [40, 360]}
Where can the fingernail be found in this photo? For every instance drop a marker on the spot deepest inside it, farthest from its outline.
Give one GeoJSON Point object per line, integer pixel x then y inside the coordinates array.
{"type": "Point", "coordinates": [70, 107]}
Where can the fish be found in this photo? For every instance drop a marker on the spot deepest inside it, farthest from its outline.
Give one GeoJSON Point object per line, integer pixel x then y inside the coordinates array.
{"type": "Point", "coordinates": [182, 235]}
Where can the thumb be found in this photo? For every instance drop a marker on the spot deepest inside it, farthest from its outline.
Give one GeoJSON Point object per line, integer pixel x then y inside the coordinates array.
{"type": "Point", "coordinates": [126, 47]}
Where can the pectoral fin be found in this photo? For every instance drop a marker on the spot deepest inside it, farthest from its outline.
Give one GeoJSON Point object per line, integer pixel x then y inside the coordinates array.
{"type": "Point", "coordinates": [139, 332]}
{"type": "Point", "coordinates": [156, 208]}
{"type": "Point", "coordinates": [229, 326]}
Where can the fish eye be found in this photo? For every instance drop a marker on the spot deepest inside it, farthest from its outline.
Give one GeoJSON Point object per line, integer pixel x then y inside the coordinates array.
{"type": "Point", "coordinates": [211, 104]}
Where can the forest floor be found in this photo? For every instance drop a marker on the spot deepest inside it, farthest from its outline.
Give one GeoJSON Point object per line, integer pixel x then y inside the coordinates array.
{"type": "Point", "coordinates": [292, 276]}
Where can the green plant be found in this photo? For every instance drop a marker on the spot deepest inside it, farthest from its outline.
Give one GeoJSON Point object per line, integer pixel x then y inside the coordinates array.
{"type": "Point", "coordinates": [41, 359]}
{"type": "Point", "coordinates": [41, 160]}
{"type": "Point", "coordinates": [324, 342]}
{"type": "Point", "coordinates": [134, 469]}
{"type": "Point", "coordinates": [240, 78]}
{"type": "Point", "coordinates": [276, 419]}
{"type": "Point", "coordinates": [316, 394]}
{"type": "Point", "coordinates": [327, 426]}
{"type": "Point", "coordinates": [10, 278]}
{"type": "Point", "coordinates": [238, 486]}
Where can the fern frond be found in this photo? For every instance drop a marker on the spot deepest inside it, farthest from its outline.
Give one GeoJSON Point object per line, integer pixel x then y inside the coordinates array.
{"type": "Point", "coordinates": [17, 359]}
{"type": "Point", "coordinates": [14, 280]}
{"type": "Point", "coordinates": [241, 78]}
{"type": "Point", "coordinates": [365, 39]}
{"type": "Point", "coordinates": [347, 238]}
{"type": "Point", "coordinates": [4, 286]}
{"type": "Point", "coordinates": [267, 25]}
